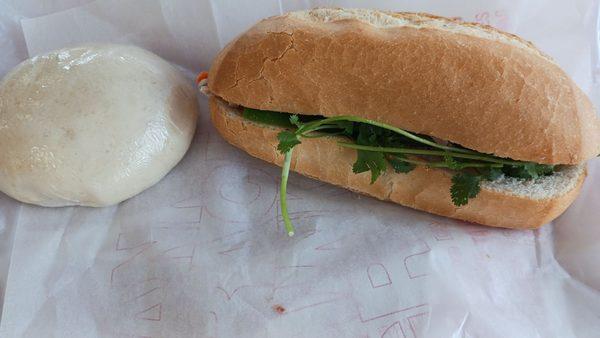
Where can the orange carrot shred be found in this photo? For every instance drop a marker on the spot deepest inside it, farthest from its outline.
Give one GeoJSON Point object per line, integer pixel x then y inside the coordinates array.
{"type": "Point", "coordinates": [201, 76]}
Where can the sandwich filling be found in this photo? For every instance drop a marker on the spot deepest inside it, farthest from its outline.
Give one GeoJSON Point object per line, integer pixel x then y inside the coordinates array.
{"type": "Point", "coordinates": [380, 146]}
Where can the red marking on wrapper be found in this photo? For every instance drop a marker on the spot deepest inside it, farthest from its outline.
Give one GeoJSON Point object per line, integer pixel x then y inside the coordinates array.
{"type": "Point", "coordinates": [153, 313]}
{"type": "Point", "coordinates": [483, 18]}
{"type": "Point", "coordinates": [146, 293]}
{"type": "Point", "coordinates": [417, 322]}
{"type": "Point", "coordinates": [229, 295]}
{"type": "Point", "coordinates": [233, 248]}
{"type": "Point", "coordinates": [394, 330]}
{"type": "Point", "coordinates": [410, 267]}
{"type": "Point", "coordinates": [201, 76]}
{"type": "Point", "coordinates": [315, 304]}
{"type": "Point", "coordinates": [378, 275]}
{"type": "Point", "coordinates": [123, 244]}
{"type": "Point", "coordinates": [440, 231]}
{"type": "Point", "coordinates": [333, 245]}
{"type": "Point", "coordinates": [125, 262]}
{"type": "Point", "coordinates": [364, 320]}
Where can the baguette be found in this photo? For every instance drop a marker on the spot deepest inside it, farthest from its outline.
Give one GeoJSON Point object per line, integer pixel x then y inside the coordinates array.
{"type": "Point", "coordinates": [461, 84]}
{"type": "Point", "coordinates": [507, 203]}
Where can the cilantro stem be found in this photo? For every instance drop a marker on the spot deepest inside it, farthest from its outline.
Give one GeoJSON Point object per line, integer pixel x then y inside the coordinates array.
{"type": "Point", "coordinates": [311, 125]}
{"type": "Point", "coordinates": [285, 171]}
{"type": "Point", "coordinates": [428, 152]}
{"type": "Point", "coordinates": [321, 127]}
{"type": "Point", "coordinates": [445, 165]}
{"type": "Point", "coordinates": [313, 133]}
{"type": "Point", "coordinates": [317, 135]}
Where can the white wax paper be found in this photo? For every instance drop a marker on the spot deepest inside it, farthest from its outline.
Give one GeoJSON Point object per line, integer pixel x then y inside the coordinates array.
{"type": "Point", "coordinates": [203, 253]}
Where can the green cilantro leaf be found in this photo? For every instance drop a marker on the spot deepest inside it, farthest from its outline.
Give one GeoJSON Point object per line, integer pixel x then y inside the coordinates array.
{"type": "Point", "coordinates": [545, 169]}
{"type": "Point", "coordinates": [267, 117]}
{"type": "Point", "coordinates": [287, 141]}
{"type": "Point", "coordinates": [528, 170]}
{"type": "Point", "coordinates": [491, 174]}
{"type": "Point", "coordinates": [464, 187]}
{"type": "Point", "coordinates": [370, 160]}
{"type": "Point", "coordinates": [295, 120]}
{"type": "Point", "coordinates": [452, 163]}
{"type": "Point", "coordinates": [399, 165]}
{"type": "Point", "coordinates": [346, 126]}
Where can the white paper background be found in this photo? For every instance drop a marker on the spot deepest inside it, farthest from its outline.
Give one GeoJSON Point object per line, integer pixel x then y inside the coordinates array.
{"type": "Point", "coordinates": [203, 253]}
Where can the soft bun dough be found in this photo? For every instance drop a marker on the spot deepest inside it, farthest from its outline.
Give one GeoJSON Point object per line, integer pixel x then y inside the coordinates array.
{"type": "Point", "coordinates": [92, 125]}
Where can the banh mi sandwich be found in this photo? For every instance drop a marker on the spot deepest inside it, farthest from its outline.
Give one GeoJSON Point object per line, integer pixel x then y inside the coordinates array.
{"type": "Point", "coordinates": [456, 119]}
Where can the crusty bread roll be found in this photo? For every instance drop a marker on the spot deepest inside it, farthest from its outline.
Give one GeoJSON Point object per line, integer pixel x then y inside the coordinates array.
{"type": "Point", "coordinates": [472, 85]}
{"type": "Point", "coordinates": [507, 203]}
{"type": "Point", "coordinates": [92, 125]}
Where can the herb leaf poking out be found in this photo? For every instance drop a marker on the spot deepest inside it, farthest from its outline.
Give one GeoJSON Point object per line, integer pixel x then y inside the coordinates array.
{"type": "Point", "coordinates": [464, 187]}
{"type": "Point", "coordinates": [491, 174]}
{"type": "Point", "coordinates": [529, 170]}
{"type": "Point", "coordinates": [369, 160]}
{"type": "Point", "coordinates": [399, 165]}
{"type": "Point", "coordinates": [346, 126]}
{"type": "Point", "coordinates": [295, 120]}
{"type": "Point", "coordinates": [287, 141]}
{"type": "Point", "coordinates": [267, 117]}
{"type": "Point", "coordinates": [452, 163]}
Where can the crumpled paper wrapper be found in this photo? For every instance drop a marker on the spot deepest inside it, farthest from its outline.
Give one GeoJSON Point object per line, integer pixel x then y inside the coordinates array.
{"type": "Point", "coordinates": [203, 253]}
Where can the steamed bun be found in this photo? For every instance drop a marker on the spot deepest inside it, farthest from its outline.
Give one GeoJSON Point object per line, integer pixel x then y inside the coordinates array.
{"type": "Point", "coordinates": [92, 125]}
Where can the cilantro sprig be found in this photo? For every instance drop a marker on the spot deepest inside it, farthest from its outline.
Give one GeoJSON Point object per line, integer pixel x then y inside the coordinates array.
{"type": "Point", "coordinates": [289, 139]}
{"type": "Point", "coordinates": [379, 144]}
